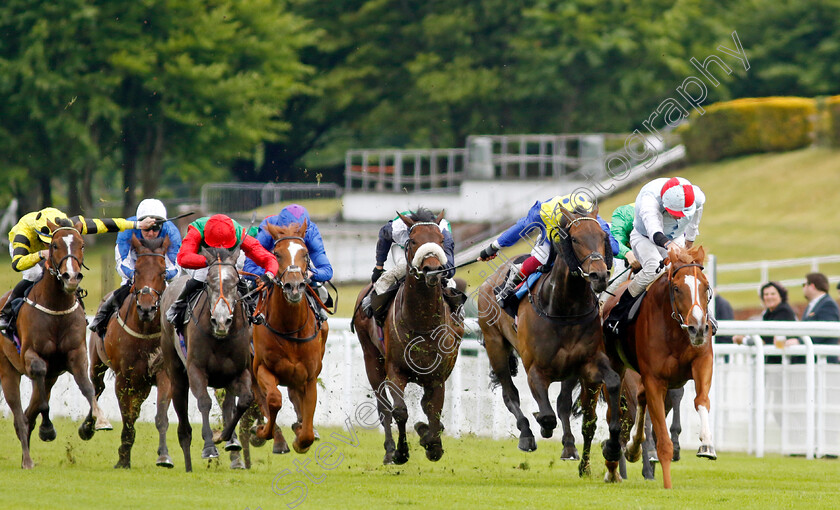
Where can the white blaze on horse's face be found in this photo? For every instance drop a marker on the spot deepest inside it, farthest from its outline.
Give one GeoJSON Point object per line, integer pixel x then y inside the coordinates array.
{"type": "Point", "coordinates": [69, 276]}
{"type": "Point", "coordinates": [696, 315]}
{"type": "Point", "coordinates": [222, 313]}
{"type": "Point", "coordinates": [294, 247]}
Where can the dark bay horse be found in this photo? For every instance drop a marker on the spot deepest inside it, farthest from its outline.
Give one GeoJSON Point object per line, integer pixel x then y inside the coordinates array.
{"type": "Point", "coordinates": [51, 326]}
{"type": "Point", "coordinates": [668, 344]}
{"type": "Point", "coordinates": [217, 340]}
{"type": "Point", "coordinates": [421, 340]}
{"type": "Point", "coordinates": [289, 347]}
{"type": "Point", "coordinates": [559, 335]}
{"type": "Point", "coordinates": [131, 347]}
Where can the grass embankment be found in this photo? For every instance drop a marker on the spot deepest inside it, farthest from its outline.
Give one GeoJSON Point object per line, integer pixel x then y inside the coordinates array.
{"type": "Point", "coordinates": [474, 473]}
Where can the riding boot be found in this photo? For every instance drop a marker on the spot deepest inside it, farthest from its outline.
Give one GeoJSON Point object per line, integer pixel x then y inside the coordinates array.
{"type": "Point", "coordinates": [366, 306]}
{"type": "Point", "coordinates": [6, 315]}
{"type": "Point", "coordinates": [176, 312]}
{"type": "Point", "coordinates": [380, 303]}
{"type": "Point", "coordinates": [514, 278]}
{"type": "Point", "coordinates": [619, 312]}
{"type": "Point", "coordinates": [249, 302]}
{"type": "Point", "coordinates": [107, 309]}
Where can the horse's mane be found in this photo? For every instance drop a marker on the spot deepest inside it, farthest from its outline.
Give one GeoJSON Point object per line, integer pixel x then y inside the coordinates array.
{"type": "Point", "coordinates": [422, 214]}
{"type": "Point", "coordinates": [152, 244]}
{"type": "Point", "coordinates": [688, 256]}
{"type": "Point", "coordinates": [222, 253]}
{"type": "Point", "coordinates": [288, 230]}
{"type": "Point", "coordinates": [64, 222]}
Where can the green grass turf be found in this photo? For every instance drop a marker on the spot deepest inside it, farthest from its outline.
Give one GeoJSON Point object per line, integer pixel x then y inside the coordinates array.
{"type": "Point", "coordinates": [474, 473]}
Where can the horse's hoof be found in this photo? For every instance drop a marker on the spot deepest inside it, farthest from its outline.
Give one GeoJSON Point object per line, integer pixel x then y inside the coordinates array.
{"type": "Point", "coordinates": [233, 445]}
{"type": "Point", "coordinates": [422, 430]}
{"type": "Point", "coordinates": [165, 461]}
{"type": "Point", "coordinates": [256, 441]}
{"type": "Point", "coordinates": [280, 448]}
{"type": "Point", "coordinates": [546, 433]}
{"type": "Point", "coordinates": [122, 465]}
{"type": "Point", "coordinates": [103, 425]}
{"type": "Point", "coordinates": [217, 436]}
{"type": "Point", "coordinates": [584, 470]}
{"type": "Point", "coordinates": [633, 452]}
{"type": "Point", "coordinates": [654, 458]}
{"type": "Point", "coordinates": [27, 464]}
{"type": "Point", "coordinates": [237, 463]}
{"type": "Point", "coordinates": [570, 452]}
{"type": "Point", "coordinates": [400, 458]}
{"type": "Point", "coordinates": [611, 453]}
{"type": "Point", "coordinates": [527, 444]}
{"type": "Point", "coordinates": [388, 460]}
{"type": "Point", "coordinates": [48, 434]}
{"type": "Point", "coordinates": [707, 451]}
{"type": "Point", "coordinates": [434, 453]}
{"type": "Point", "coordinates": [612, 475]}
{"type": "Point", "coordinates": [676, 456]}
{"type": "Point", "coordinates": [86, 431]}
{"type": "Point", "coordinates": [210, 452]}
{"type": "Point", "coordinates": [315, 433]}
{"type": "Point", "coordinates": [298, 448]}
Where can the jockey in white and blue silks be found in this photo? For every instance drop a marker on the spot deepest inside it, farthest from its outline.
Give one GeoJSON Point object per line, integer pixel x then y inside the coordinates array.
{"type": "Point", "coordinates": [320, 270]}
{"type": "Point", "coordinates": [666, 209]}
{"type": "Point", "coordinates": [126, 257]}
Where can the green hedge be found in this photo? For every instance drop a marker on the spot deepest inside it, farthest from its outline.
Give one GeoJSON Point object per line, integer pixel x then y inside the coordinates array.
{"type": "Point", "coordinates": [750, 125]}
{"type": "Point", "coordinates": [832, 108]}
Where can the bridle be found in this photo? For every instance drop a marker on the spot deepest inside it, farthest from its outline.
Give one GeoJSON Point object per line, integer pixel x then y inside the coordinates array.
{"type": "Point", "coordinates": [675, 314]}
{"type": "Point", "coordinates": [591, 258]}
{"type": "Point", "coordinates": [291, 268]}
{"type": "Point", "coordinates": [222, 297]}
{"type": "Point", "coordinates": [146, 289]}
{"type": "Point", "coordinates": [414, 271]}
{"type": "Point", "coordinates": [54, 268]}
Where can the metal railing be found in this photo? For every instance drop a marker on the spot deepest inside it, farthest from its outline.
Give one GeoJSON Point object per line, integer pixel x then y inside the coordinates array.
{"type": "Point", "coordinates": [811, 264]}
{"type": "Point", "coordinates": [229, 197]}
{"type": "Point", "coordinates": [400, 170]}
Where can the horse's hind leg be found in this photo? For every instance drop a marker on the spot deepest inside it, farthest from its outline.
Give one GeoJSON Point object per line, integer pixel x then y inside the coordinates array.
{"type": "Point", "coordinates": [272, 402]}
{"type": "Point", "coordinates": [97, 378]}
{"type": "Point", "coordinates": [432, 402]}
{"type": "Point", "coordinates": [46, 432]}
{"type": "Point", "coordinates": [130, 395]}
{"type": "Point", "coordinates": [164, 397]}
{"type": "Point", "coordinates": [564, 412]}
{"type": "Point", "coordinates": [198, 386]}
{"type": "Point", "coordinates": [36, 369]}
{"type": "Point", "coordinates": [240, 393]}
{"type": "Point", "coordinates": [701, 370]}
{"type": "Point", "coordinates": [633, 452]}
{"type": "Point", "coordinates": [649, 455]}
{"type": "Point", "coordinates": [502, 363]}
{"type": "Point", "coordinates": [588, 403]}
{"type": "Point", "coordinates": [673, 401]}
{"type": "Point", "coordinates": [655, 391]}
{"type": "Point", "coordinates": [397, 384]}
{"type": "Point", "coordinates": [180, 396]}
{"type": "Point", "coordinates": [10, 382]}
{"type": "Point", "coordinates": [375, 369]}
{"type": "Point", "coordinates": [233, 445]}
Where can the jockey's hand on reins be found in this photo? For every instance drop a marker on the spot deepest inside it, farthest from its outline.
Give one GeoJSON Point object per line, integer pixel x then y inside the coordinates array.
{"type": "Point", "coordinates": [266, 280]}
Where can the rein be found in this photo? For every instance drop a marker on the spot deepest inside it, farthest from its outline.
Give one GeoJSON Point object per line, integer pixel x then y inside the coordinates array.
{"type": "Point", "coordinates": [675, 314]}
{"type": "Point", "coordinates": [564, 320]}
{"type": "Point", "coordinates": [136, 294]}
{"type": "Point", "coordinates": [288, 335]}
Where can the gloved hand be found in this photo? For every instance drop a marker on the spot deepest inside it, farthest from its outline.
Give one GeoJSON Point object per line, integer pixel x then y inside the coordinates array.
{"type": "Point", "coordinates": [267, 279]}
{"type": "Point", "coordinates": [377, 272]}
{"type": "Point", "coordinates": [490, 252]}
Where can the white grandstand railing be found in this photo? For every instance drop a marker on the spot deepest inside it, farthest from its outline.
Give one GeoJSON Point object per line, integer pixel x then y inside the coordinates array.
{"type": "Point", "coordinates": [764, 267]}
{"type": "Point", "coordinates": [803, 419]}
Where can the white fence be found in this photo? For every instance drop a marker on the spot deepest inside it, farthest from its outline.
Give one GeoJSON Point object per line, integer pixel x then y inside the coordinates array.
{"type": "Point", "coordinates": [763, 267]}
{"type": "Point", "coordinates": [786, 408]}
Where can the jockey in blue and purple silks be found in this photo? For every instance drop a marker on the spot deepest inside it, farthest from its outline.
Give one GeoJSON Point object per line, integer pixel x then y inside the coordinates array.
{"type": "Point", "coordinates": [320, 270]}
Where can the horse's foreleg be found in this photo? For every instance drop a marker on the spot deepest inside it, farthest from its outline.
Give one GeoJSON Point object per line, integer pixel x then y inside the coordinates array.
{"type": "Point", "coordinates": [10, 383]}
{"type": "Point", "coordinates": [180, 399]}
{"type": "Point", "coordinates": [272, 402]}
{"type": "Point", "coordinates": [588, 403]}
{"type": "Point", "coordinates": [564, 412]}
{"type": "Point", "coordinates": [612, 382]}
{"type": "Point", "coordinates": [701, 370]}
{"type": "Point", "coordinates": [432, 402]}
{"type": "Point", "coordinates": [77, 364]}
{"type": "Point", "coordinates": [655, 391]}
{"type": "Point", "coordinates": [396, 382]}
{"type": "Point", "coordinates": [130, 395]}
{"type": "Point", "coordinates": [198, 386]}
{"type": "Point", "coordinates": [649, 455]}
{"type": "Point", "coordinates": [501, 360]}
{"type": "Point", "coordinates": [97, 378]}
{"type": "Point", "coordinates": [539, 383]}
{"type": "Point", "coordinates": [241, 390]}
{"type": "Point", "coordinates": [675, 397]}
{"type": "Point", "coordinates": [164, 397]}
{"type": "Point", "coordinates": [305, 400]}
{"type": "Point", "coordinates": [36, 369]}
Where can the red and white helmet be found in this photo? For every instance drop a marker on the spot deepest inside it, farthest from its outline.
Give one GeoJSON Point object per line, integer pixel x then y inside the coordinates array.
{"type": "Point", "coordinates": [678, 197]}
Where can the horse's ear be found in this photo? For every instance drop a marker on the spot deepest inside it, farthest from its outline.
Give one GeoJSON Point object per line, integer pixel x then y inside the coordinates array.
{"type": "Point", "coordinates": [302, 230]}
{"type": "Point", "coordinates": [135, 242]}
{"type": "Point", "coordinates": [408, 221]}
{"type": "Point", "coordinates": [166, 243]}
{"type": "Point", "coordinates": [272, 230]}
{"type": "Point", "coordinates": [52, 226]}
{"type": "Point", "coordinates": [440, 216]}
{"type": "Point", "coordinates": [78, 226]}
{"type": "Point", "coordinates": [699, 254]}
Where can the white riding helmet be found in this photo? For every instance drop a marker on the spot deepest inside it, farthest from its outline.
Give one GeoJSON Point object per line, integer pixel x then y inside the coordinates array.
{"type": "Point", "coordinates": [151, 207]}
{"type": "Point", "coordinates": [678, 197]}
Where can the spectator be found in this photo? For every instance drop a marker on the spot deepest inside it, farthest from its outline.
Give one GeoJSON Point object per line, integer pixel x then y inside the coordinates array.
{"type": "Point", "coordinates": [774, 297]}
{"type": "Point", "coordinates": [820, 306]}
{"type": "Point", "coordinates": [723, 312]}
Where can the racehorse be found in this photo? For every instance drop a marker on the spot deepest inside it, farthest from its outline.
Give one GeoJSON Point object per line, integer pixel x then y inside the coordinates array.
{"type": "Point", "coordinates": [131, 347]}
{"type": "Point", "coordinates": [215, 352]}
{"type": "Point", "coordinates": [559, 335]}
{"type": "Point", "coordinates": [421, 339]}
{"type": "Point", "coordinates": [51, 328]}
{"type": "Point", "coordinates": [289, 347]}
{"type": "Point", "coordinates": [669, 344]}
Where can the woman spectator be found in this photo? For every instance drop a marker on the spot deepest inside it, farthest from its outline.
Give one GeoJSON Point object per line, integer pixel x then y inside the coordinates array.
{"type": "Point", "coordinates": [774, 296]}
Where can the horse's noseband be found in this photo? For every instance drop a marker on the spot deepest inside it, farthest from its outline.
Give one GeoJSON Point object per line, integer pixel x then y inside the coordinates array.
{"type": "Point", "coordinates": [675, 314]}
{"type": "Point", "coordinates": [54, 267]}
{"type": "Point", "coordinates": [144, 291]}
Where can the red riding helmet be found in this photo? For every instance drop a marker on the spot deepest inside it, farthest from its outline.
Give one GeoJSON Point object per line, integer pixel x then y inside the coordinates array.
{"type": "Point", "coordinates": [678, 197]}
{"type": "Point", "coordinates": [219, 232]}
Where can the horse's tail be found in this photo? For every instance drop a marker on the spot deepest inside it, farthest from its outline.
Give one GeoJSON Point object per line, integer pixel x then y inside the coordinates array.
{"type": "Point", "coordinates": [513, 366]}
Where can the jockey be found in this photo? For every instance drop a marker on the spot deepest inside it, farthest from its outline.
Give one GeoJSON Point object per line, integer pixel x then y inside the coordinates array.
{"type": "Point", "coordinates": [666, 209]}
{"type": "Point", "coordinates": [126, 257]}
{"type": "Point", "coordinates": [545, 216]}
{"type": "Point", "coordinates": [217, 231]}
{"type": "Point", "coordinates": [620, 228]}
{"type": "Point", "coordinates": [393, 237]}
{"type": "Point", "coordinates": [29, 246]}
{"type": "Point", "coordinates": [320, 270]}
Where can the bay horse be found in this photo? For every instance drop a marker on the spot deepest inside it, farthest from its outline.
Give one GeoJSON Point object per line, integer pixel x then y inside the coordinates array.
{"type": "Point", "coordinates": [215, 352]}
{"type": "Point", "coordinates": [289, 347]}
{"type": "Point", "coordinates": [131, 348]}
{"type": "Point", "coordinates": [421, 340]}
{"type": "Point", "coordinates": [559, 336]}
{"type": "Point", "coordinates": [51, 326]}
{"type": "Point", "coordinates": [668, 344]}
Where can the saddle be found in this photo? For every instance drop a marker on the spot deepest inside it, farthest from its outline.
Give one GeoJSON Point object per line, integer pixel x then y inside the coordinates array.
{"type": "Point", "coordinates": [381, 303]}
